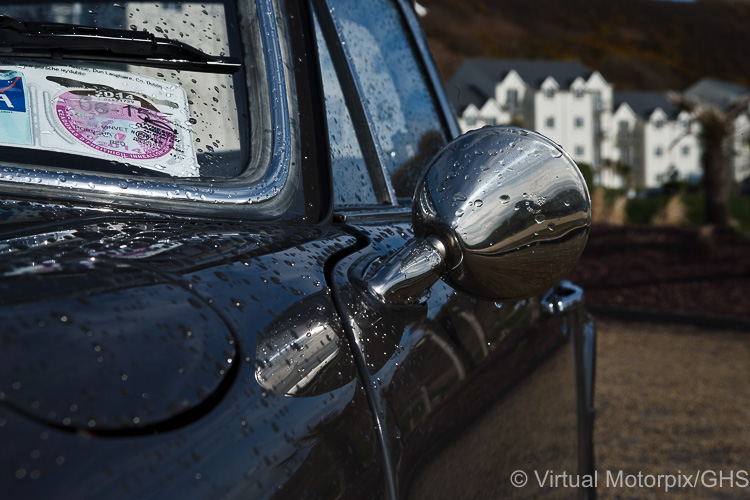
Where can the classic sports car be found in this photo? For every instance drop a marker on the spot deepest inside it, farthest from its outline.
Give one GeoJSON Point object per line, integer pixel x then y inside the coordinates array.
{"type": "Point", "coordinates": [245, 254]}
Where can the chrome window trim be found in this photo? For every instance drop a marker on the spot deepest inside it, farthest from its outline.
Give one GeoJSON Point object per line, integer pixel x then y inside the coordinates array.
{"type": "Point", "coordinates": [420, 41]}
{"type": "Point", "coordinates": [353, 86]}
{"type": "Point", "coordinates": [266, 197]}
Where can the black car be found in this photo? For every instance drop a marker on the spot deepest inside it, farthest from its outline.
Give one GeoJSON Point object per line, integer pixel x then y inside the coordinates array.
{"type": "Point", "coordinates": [223, 228]}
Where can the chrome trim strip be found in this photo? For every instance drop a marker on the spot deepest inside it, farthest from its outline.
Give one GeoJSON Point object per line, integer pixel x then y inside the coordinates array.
{"type": "Point", "coordinates": [344, 214]}
{"type": "Point", "coordinates": [429, 64]}
{"type": "Point", "coordinates": [63, 184]}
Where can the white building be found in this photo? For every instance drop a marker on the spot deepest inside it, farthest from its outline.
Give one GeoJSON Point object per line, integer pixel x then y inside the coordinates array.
{"type": "Point", "coordinates": [656, 139]}
{"type": "Point", "coordinates": [631, 139]}
{"type": "Point", "coordinates": [562, 100]}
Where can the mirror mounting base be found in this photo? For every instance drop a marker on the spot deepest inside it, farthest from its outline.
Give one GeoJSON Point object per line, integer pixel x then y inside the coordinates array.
{"type": "Point", "coordinates": [405, 276]}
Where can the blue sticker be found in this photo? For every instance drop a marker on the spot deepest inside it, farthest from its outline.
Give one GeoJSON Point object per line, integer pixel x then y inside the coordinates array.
{"type": "Point", "coordinates": [15, 118]}
{"type": "Point", "coordinates": [12, 96]}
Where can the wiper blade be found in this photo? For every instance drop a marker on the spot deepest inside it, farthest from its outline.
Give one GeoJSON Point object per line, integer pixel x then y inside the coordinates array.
{"type": "Point", "coordinates": [86, 43]}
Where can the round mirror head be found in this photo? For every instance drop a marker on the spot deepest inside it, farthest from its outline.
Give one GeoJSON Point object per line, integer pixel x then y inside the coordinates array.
{"type": "Point", "coordinates": [512, 209]}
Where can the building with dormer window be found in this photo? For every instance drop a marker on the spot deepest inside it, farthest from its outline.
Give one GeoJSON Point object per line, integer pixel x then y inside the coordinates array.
{"type": "Point", "coordinates": [631, 139]}
{"type": "Point", "coordinates": [565, 101]}
{"type": "Point", "coordinates": [655, 139]}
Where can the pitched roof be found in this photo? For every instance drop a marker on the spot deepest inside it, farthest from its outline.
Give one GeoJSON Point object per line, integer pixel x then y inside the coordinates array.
{"type": "Point", "coordinates": [717, 92]}
{"type": "Point", "coordinates": [475, 80]}
{"type": "Point", "coordinates": [533, 72]}
{"type": "Point", "coordinates": [463, 95]}
{"type": "Point", "coordinates": [644, 103]}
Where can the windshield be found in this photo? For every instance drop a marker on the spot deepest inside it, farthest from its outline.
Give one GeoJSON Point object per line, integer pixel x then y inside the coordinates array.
{"type": "Point", "coordinates": [82, 108]}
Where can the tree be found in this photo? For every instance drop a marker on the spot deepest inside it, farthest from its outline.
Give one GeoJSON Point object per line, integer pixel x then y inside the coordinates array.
{"type": "Point", "coordinates": [715, 130]}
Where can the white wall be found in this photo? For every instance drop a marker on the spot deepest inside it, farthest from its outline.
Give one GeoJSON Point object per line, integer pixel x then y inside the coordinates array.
{"type": "Point", "coordinates": [512, 82]}
{"type": "Point", "coordinates": [741, 148]}
{"type": "Point", "coordinates": [680, 151]}
{"type": "Point", "coordinates": [625, 144]}
{"type": "Point", "coordinates": [567, 117]}
{"type": "Point", "coordinates": [602, 109]}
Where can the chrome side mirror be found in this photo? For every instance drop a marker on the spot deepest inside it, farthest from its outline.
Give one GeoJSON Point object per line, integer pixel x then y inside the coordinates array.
{"type": "Point", "coordinates": [501, 213]}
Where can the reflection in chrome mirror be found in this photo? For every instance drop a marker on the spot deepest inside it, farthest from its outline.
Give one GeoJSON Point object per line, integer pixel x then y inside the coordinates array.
{"type": "Point", "coordinates": [511, 212]}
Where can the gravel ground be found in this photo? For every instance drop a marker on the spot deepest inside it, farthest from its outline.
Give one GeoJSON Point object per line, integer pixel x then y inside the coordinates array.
{"type": "Point", "coordinates": [668, 269]}
{"type": "Point", "coordinates": [672, 400]}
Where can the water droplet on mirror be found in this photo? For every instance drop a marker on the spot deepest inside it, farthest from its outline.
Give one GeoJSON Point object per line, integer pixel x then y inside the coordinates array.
{"type": "Point", "coordinates": [478, 203]}
{"type": "Point", "coordinates": [556, 153]}
{"type": "Point", "coordinates": [540, 218]}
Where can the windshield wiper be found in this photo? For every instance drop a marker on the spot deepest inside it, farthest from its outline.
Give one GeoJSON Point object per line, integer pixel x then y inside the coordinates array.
{"type": "Point", "coordinates": [85, 43]}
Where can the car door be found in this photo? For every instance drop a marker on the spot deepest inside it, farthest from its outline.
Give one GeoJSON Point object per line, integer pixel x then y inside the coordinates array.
{"type": "Point", "coordinates": [153, 355]}
{"type": "Point", "coordinates": [464, 391]}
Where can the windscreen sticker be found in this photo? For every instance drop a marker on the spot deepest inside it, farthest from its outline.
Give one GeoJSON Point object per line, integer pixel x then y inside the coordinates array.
{"type": "Point", "coordinates": [124, 126]}
{"type": "Point", "coordinates": [15, 120]}
{"type": "Point", "coordinates": [110, 115]}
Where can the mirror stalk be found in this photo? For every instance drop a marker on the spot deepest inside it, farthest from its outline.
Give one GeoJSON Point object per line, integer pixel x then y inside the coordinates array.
{"type": "Point", "coordinates": [404, 277]}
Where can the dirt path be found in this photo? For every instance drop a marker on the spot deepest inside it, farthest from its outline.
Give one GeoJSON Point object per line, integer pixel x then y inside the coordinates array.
{"type": "Point", "coordinates": [672, 400]}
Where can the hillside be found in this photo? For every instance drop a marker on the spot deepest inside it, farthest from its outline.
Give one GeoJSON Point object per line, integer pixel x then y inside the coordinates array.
{"type": "Point", "coordinates": [635, 44]}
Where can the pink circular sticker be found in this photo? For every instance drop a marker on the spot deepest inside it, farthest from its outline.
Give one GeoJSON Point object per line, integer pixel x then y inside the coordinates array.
{"type": "Point", "coordinates": [116, 123]}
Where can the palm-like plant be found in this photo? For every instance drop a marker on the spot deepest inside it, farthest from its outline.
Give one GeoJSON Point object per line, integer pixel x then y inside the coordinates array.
{"type": "Point", "coordinates": [715, 130]}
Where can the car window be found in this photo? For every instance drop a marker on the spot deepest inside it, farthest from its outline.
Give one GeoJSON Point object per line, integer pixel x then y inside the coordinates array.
{"type": "Point", "coordinates": [120, 116]}
{"type": "Point", "coordinates": [393, 86]}
{"type": "Point", "coordinates": [352, 184]}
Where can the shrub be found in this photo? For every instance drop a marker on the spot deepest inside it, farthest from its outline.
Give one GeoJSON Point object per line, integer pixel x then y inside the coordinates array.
{"type": "Point", "coordinates": [643, 210]}
{"type": "Point", "coordinates": [588, 175]}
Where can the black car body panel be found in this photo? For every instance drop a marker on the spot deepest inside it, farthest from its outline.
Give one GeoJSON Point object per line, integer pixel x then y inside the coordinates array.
{"type": "Point", "coordinates": [214, 337]}
{"type": "Point", "coordinates": [199, 345]}
{"type": "Point", "coordinates": [449, 370]}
